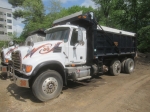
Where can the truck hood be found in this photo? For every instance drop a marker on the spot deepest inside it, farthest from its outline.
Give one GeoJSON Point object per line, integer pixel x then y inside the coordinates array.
{"type": "Point", "coordinates": [23, 50]}
{"type": "Point", "coordinates": [7, 51]}
{"type": "Point", "coordinates": [37, 44]}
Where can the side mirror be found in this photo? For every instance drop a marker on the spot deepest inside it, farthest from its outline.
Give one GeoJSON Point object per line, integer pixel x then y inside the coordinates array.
{"type": "Point", "coordinates": [80, 34]}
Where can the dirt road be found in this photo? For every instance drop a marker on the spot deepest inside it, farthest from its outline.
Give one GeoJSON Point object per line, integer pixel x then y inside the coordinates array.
{"type": "Point", "coordinates": [124, 93]}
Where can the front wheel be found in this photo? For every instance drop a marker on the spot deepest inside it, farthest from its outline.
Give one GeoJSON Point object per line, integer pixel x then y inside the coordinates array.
{"type": "Point", "coordinates": [47, 85]}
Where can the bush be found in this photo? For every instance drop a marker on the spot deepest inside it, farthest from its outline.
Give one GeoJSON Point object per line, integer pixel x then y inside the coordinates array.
{"type": "Point", "coordinates": [144, 39]}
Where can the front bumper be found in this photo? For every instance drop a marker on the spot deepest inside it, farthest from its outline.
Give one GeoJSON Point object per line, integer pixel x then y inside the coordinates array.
{"type": "Point", "coordinates": [21, 82]}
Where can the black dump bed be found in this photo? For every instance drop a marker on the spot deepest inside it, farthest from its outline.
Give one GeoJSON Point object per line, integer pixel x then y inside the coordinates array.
{"type": "Point", "coordinates": [110, 43]}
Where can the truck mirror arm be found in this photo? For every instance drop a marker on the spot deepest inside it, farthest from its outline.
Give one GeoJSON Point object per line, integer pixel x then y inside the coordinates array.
{"type": "Point", "coordinates": [65, 54]}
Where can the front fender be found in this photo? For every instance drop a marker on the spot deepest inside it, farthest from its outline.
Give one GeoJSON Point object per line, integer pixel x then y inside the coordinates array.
{"type": "Point", "coordinates": [53, 65]}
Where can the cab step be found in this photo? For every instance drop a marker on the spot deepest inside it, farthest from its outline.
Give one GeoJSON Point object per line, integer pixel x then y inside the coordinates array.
{"type": "Point", "coordinates": [82, 78]}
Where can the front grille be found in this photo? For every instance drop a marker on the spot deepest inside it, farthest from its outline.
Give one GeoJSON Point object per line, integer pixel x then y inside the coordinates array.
{"type": "Point", "coordinates": [2, 56]}
{"type": "Point", "coordinates": [16, 58]}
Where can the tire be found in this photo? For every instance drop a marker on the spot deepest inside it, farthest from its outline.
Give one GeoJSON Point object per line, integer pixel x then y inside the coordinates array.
{"type": "Point", "coordinates": [47, 85]}
{"type": "Point", "coordinates": [129, 65]}
{"type": "Point", "coordinates": [123, 65]}
{"type": "Point", "coordinates": [115, 67]}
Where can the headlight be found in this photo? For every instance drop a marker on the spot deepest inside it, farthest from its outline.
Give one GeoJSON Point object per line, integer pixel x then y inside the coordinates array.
{"type": "Point", "coordinates": [26, 68]}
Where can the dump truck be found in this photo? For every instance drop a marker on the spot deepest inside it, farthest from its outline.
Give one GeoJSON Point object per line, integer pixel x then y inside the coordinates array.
{"type": "Point", "coordinates": [6, 55]}
{"type": "Point", "coordinates": [76, 48]}
{"type": "Point", "coordinates": [36, 36]}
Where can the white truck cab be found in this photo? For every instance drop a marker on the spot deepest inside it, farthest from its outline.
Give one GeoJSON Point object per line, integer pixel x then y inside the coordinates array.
{"type": "Point", "coordinates": [65, 44]}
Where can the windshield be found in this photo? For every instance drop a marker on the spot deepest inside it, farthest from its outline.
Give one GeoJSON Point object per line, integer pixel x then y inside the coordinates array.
{"type": "Point", "coordinates": [58, 34]}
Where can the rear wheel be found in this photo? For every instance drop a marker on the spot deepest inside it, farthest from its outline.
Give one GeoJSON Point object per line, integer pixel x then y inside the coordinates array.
{"type": "Point", "coordinates": [115, 67]}
{"type": "Point", "coordinates": [47, 85]}
{"type": "Point", "coordinates": [129, 65]}
{"type": "Point", "coordinates": [123, 65]}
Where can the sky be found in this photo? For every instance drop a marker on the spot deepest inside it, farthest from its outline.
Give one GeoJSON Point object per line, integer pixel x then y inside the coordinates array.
{"type": "Point", "coordinates": [18, 25]}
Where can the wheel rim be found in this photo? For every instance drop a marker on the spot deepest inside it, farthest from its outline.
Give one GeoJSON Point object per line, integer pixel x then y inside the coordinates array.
{"type": "Point", "coordinates": [49, 85]}
{"type": "Point", "coordinates": [117, 67]}
{"type": "Point", "coordinates": [131, 65]}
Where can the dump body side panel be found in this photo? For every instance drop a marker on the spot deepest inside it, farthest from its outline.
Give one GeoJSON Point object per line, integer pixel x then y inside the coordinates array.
{"type": "Point", "coordinates": [107, 43]}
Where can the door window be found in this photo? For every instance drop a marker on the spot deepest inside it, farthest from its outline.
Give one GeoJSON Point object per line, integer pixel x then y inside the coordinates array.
{"type": "Point", "coordinates": [74, 38]}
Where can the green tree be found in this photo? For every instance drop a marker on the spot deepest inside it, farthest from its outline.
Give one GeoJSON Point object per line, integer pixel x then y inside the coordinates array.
{"type": "Point", "coordinates": [15, 38]}
{"type": "Point", "coordinates": [135, 17]}
{"type": "Point", "coordinates": [33, 10]}
{"type": "Point", "coordinates": [30, 10]}
{"type": "Point", "coordinates": [54, 6]}
{"type": "Point", "coordinates": [16, 3]}
{"type": "Point", "coordinates": [33, 14]}
{"type": "Point", "coordinates": [104, 11]}
{"type": "Point", "coordinates": [144, 39]}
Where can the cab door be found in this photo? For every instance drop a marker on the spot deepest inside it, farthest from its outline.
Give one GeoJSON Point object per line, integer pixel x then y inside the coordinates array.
{"type": "Point", "coordinates": [77, 48]}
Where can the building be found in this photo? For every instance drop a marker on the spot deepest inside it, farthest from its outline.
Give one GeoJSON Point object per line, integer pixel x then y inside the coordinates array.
{"type": "Point", "coordinates": [6, 24]}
